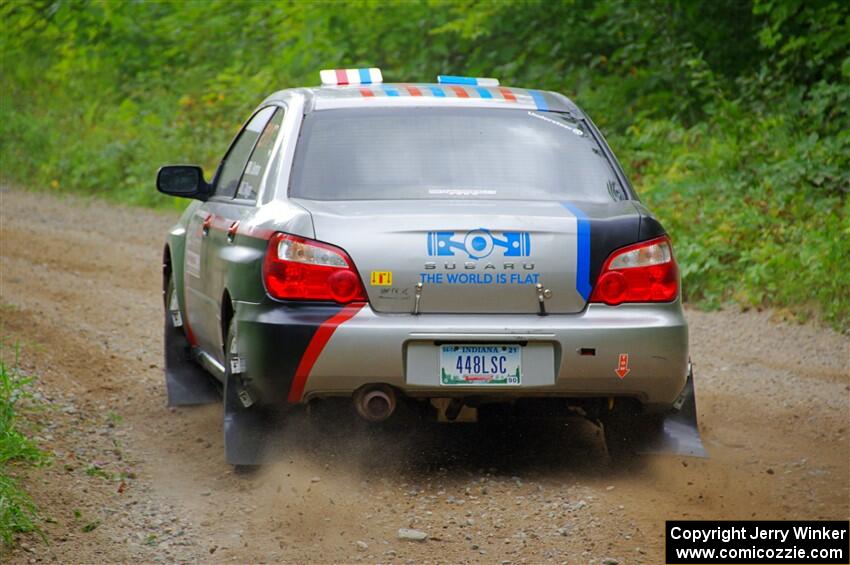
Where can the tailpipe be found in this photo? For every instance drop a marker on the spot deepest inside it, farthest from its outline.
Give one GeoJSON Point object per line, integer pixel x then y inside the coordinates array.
{"type": "Point", "coordinates": [375, 403]}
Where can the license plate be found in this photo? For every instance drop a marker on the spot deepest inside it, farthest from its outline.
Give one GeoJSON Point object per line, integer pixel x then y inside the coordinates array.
{"type": "Point", "coordinates": [487, 365]}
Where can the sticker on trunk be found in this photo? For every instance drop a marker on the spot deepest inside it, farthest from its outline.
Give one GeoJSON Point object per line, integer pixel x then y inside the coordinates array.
{"type": "Point", "coordinates": [381, 278]}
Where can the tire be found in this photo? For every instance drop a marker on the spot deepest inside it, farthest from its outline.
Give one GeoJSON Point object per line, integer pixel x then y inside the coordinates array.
{"type": "Point", "coordinates": [186, 382]}
{"type": "Point", "coordinates": [170, 303]}
{"type": "Point", "coordinates": [173, 315]}
{"type": "Point", "coordinates": [247, 430]}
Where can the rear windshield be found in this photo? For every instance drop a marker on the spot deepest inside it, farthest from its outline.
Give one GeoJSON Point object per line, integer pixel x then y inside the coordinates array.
{"type": "Point", "coordinates": [447, 153]}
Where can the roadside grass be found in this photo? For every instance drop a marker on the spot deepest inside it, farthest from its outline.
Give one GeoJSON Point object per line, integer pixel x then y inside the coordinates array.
{"type": "Point", "coordinates": [18, 451]}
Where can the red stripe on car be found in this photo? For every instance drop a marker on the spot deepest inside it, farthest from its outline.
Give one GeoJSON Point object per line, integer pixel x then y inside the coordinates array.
{"type": "Point", "coordinates": [341, 77]}
{"type": "Point", "coordinates": [315, 347]}
{"type": "Point", "coordinates": [365, 92]}
{"type": "Point", "coordinates": [414, 91]}
{"type": "Point", "coordinates": [460, 92]}
{"type": "Point", "coordinates": [507, 94]}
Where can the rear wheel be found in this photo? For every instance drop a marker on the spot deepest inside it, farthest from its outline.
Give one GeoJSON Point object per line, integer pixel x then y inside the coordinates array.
{"type": "Point", "coordinates": [172, 308]}
{"type": "Point", "coordinates": [248, 426]}
{"type": "Point", "coordinates": [185, 381]}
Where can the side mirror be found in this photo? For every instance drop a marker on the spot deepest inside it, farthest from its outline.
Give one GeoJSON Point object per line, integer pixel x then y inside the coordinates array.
{"type": "Point", "coordinates": [186, 181]}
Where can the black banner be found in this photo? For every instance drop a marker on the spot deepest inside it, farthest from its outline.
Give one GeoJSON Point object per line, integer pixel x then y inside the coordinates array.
{"type": "Point", "coordinates": [757, 542]}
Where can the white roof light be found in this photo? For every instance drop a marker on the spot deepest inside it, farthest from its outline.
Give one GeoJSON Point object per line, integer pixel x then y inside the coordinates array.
{"type": "Point", "coordinates": [342, 77]}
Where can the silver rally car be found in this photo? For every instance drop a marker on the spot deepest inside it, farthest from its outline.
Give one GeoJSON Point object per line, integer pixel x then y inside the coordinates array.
{"type": "Point", "coordinates": [458, 250]}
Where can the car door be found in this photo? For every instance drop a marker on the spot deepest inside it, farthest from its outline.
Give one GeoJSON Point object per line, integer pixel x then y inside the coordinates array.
{"type": "Point", "coordinates": [207, 233]}
{"type": "Point", "coordinates": [228, 213]}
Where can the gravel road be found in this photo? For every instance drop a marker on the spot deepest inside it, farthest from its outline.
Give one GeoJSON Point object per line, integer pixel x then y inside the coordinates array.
{"type": "Point", "coordinates": [132, 480]}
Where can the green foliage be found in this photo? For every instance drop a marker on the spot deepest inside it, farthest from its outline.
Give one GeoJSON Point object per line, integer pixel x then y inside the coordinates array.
{"type": "Point", "coordinates": [17, 512]}
{"type": "Point", "coordinates": [773, 229]}
{"type": "Point", "coordinates": [730, 116]}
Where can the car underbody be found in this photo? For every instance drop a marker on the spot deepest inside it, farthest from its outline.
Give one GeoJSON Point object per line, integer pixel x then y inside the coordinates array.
{"type": "Point", "coordinates": [399, 393]}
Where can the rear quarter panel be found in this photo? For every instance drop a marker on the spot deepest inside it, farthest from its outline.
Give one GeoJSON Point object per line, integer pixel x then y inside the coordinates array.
{"type": "Point", "coordinates": [244, 259]}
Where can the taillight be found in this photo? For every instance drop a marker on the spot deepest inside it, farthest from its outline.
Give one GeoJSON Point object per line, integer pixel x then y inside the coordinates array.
{"type": "Point", "coordinates": [643, 272]}
{"type": "Point", "coordinates": [296, 268]}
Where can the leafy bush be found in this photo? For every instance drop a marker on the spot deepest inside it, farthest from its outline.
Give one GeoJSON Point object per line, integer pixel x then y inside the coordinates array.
{"type": "Point", "coordinates": [17, 512]}
{"type": "Point", "coordinates": [773, 227]}
{"type": "Point", "coordinates": [730, 116]}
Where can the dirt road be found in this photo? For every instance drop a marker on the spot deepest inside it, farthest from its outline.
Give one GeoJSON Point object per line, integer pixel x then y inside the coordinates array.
{"type": "Point", "coordinates": [132, 480]}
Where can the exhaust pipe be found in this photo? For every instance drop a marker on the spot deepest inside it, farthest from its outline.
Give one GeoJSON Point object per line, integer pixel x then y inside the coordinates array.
{"type": "Point", "coordinates": [375, 403]}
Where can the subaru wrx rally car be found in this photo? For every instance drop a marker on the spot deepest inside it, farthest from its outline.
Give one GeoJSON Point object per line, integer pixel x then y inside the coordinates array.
{"type": "Point", "coordinates": [454, 249]}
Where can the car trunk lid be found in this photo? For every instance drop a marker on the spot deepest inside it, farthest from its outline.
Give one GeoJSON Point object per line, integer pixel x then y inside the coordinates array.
{"type": "Point", "coordinates": [482, 256]}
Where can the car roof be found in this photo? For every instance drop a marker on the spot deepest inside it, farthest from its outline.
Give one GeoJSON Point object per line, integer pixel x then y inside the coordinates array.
{"type": "Point", "coordinates": [429, 95]}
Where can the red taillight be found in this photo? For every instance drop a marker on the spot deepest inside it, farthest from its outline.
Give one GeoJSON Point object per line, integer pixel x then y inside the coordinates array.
{"type": "Point", "coordinates": [643, 272]}
{"type": "Point", "coordinates": [296, 268]}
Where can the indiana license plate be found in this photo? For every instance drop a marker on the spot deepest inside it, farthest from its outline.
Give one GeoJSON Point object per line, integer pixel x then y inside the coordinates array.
{"type": "Point", "coordinates": [486, 365]}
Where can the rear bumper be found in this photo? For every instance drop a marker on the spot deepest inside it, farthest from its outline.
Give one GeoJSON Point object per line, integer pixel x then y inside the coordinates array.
{"type": "Point", "coordinates": [294, 353]}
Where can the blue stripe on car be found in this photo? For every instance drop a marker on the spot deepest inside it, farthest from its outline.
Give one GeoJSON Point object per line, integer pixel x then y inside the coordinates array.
{"type": "Point", "coordinates": [583, 250]}
{"type": "Point", "coordinates": [437, 92]}
{"type": "Point", "coordinates": [390, 91]}
{"type": "Point", "coordinates": [483, 92]}
{"type": "Point", "coordinates": [365, 78]}
{"type": "Point", "coordinates": [537, 96]}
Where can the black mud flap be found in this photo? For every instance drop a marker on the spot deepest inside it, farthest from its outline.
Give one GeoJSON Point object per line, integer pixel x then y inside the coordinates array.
{"type": "Point", "coordinates": [248, 431]}
{"type": "Point", "coordinates": [680, 435]}
{"type": "Point", "coordinates": [187, 382]}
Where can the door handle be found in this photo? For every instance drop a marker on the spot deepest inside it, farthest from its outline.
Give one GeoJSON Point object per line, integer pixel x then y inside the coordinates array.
{"type": "Point", "coordinates": [231, 231]}
{"type": "Point", "coordinates": [205, 227]}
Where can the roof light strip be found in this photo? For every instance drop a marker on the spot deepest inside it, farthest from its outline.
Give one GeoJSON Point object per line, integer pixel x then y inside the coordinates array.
{"type": "Point", "coordinates": [507, 94]}
{"type": "Point", "coordinates": [458, 91]}
{"type": "Point", "coordinates": [468, 81]}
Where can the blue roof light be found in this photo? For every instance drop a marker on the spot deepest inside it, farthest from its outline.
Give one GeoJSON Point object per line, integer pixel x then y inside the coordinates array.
{"type": "Point", "coordinates": [468, 81]}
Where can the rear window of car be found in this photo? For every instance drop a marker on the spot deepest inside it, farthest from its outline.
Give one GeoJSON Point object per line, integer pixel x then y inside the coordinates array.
{"type": "Point", "coordinates": [449, 153]}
